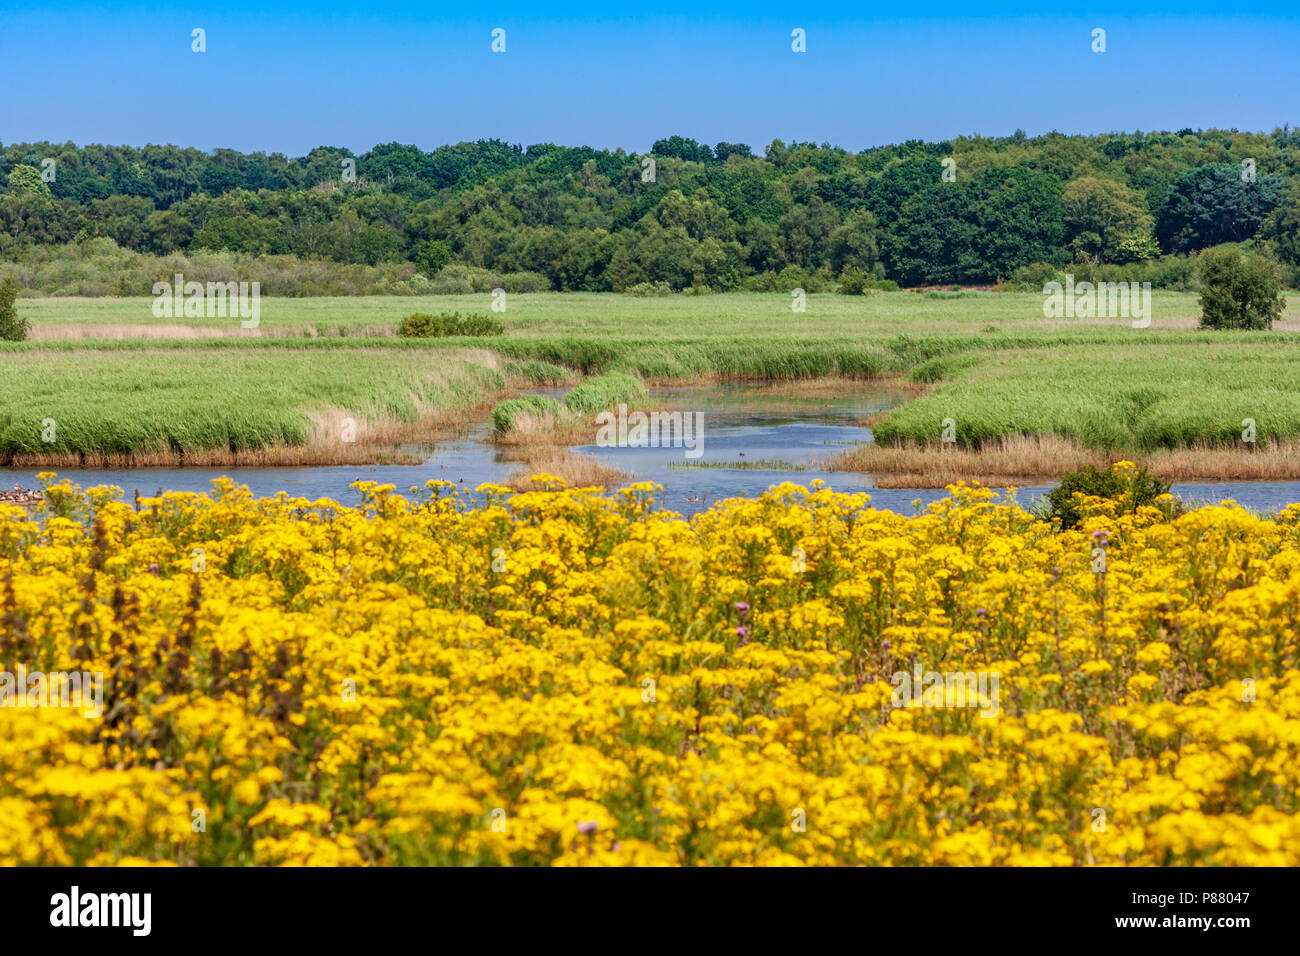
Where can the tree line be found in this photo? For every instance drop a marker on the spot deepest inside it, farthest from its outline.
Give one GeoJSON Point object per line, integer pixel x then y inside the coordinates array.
{"type": "Point", "coordinates": [970, 210]}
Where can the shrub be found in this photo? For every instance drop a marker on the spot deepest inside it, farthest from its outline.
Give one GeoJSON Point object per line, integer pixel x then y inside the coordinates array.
{"type": "Point", "coordinates": [853, 282]}
{"type": "Point", "coordinates": [857, 282]}
{"type": "Point", "coordinates": [540, 407]}
{"type": "Point", "coordinates": [520, 282]}
{"type": "Point", "coordinates": [1128, 486]}
{"type": "Point", "coordinates": [790, 278]}
{"type": "Point", "coordinates": [945, 366]}
{"type": "Point", "coordinates": [606, 391]}
{"type": "Point", "coordinates": [650, 288]}
{"type": "Point", "coordinates": [1175, 273]}
{"type": "Point", "coordinates": [1035, 275]}
{"type": "Point", "coordinates": [456, 278]}
{"type": "Point", "coordinates": [12, 328]}
{"type": "Point", "coordinates": [1239, 291]}
{"type": "Point", "coordinates": [422, 325]}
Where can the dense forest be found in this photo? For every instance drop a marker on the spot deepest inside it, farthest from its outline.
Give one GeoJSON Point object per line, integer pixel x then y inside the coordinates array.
{"type": "Point", "coordinates": [685, 216]}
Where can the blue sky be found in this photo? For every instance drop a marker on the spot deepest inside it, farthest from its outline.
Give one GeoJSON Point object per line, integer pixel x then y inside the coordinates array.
{"type": "Point", "coordinates": [287, 77]}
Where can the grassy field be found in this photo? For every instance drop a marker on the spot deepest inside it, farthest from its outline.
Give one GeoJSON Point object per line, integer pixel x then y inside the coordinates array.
{"type": "Point", "coordinates": [1114, 396]}
{"type": "Point", "coordinates": [270, 406]}
{"type": "Point", "coordinates": [119, 382]}
{"type": "Point", "coordinates": [752, 314]}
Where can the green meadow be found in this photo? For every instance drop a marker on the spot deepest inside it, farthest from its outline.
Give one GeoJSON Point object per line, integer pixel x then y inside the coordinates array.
{"type": "Point", "coordinates": [1116, 396]}
{"type": "Point", "coordinates": [552, 314]}
{"type": "Point", "coordinates": [188, 401]}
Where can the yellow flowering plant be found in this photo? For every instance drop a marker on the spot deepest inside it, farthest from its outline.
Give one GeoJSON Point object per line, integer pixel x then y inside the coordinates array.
{"type": "Point", "coordinates": [566, 677]}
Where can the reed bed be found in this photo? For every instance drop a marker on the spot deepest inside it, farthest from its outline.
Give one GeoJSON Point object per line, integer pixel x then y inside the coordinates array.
{"type": "Point", "coordinates": [171, 407]}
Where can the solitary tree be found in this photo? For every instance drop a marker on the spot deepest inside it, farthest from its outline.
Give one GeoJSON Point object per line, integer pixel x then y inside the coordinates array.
{"type": "Point", "coordinates": [1239, 291]}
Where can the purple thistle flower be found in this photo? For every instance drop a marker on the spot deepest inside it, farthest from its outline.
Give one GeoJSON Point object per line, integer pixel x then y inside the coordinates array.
{"type": "Point", "coordinates": [588, 828]}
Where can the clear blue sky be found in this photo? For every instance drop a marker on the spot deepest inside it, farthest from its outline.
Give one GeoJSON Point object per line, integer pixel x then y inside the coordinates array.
{"type": "Point", "coordinates": [287, 77]}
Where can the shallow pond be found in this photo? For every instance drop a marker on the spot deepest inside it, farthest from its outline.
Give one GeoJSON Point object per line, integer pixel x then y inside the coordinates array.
{"type": "Point", "coordinates": [753, 437]}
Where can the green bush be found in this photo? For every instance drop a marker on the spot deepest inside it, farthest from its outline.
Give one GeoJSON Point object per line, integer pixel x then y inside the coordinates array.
{"type": "Point", "coordinates": [505, 415]}
{"type": "Point", "coordinates": [938, 369]}
{"type": "Point", "coordinates": [854, 282]}
{"type": "Point", "coordinates": [1239, 291]}
{"type": "Point", "coordinates": [457, 278]}
{"type": "Point", "coordinates": [790, 278]}
{"type": "Point", "coordinates": [1174, 273]}
{"type": "Point", "coordinates": [422, 325]}
{"type": "Point", "coordinates": [521, 282]}
{"type": "Point", "coordinates": [642, 289]}
{"type": "Point", "coordinates": [1035, 275]}
{"type": "Point", "coordinates": [12, 328]}
{"type": "Point", "coordinates": [1133, 489]}
{"type": "Point", "coordinates": [857, 282]}
{"type": "Point", "coordinates": [606, 391]}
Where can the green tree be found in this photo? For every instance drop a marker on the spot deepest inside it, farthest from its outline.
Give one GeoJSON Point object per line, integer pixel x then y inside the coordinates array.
{"type": "Point", "coordinates": [668, 255]}
{"type": "Point", "coordinates": [1239, 291]}
{"type": "Point", "coordinates": [854, 245]}
{"type": "Point", "coordinates": [1105, 221]}
{"type": "Point", "coordinates": [805, 231]}
{"type": "Point", "coordinates": [899, 182]}
{"type": "Point", "coordinates": [1282, 227]}
{"type": "Point", "coordinates": [26, 180]}
{"type": "Point", "coordinates": [168, 231]}
{"type": "Point", "coordinates": [932, 240]}
{"type": "Point", "coordinates": [725, 150]}
{"type": "Point", "coordinates": [1018, 219]}
{"type": "Point", "coordinates": [618, 274]}
{"type": "Point", "coordinates": [1213, 204]}
{"type": "Point", "coordinates": [682, 147]}
{"type": "Point", "coordinates": [709, 263]}
{"type": "Point", "coordinates": [432, 255]}
{"type": "Point", "coordinates": [12, 328]}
